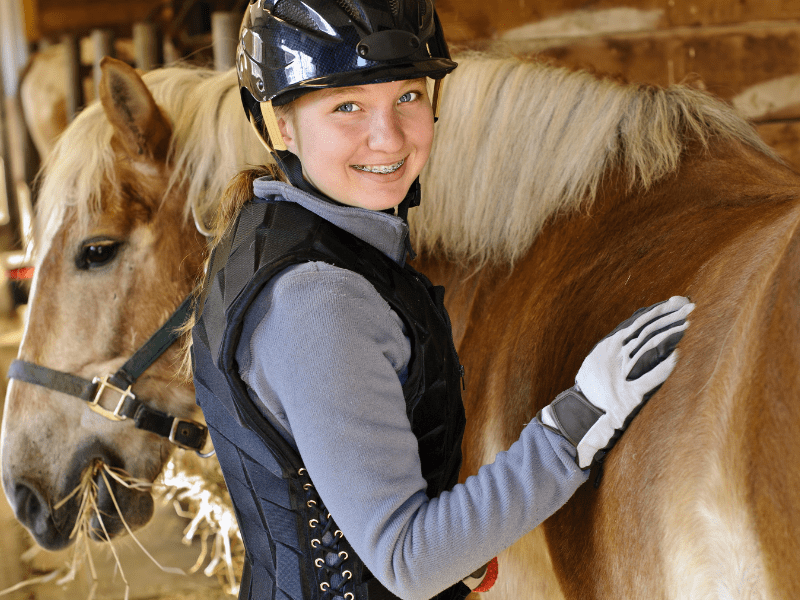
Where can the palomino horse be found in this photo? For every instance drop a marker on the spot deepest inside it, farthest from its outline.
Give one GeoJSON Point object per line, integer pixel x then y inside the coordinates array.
{"type": "Point", "coordinates": [570, 202]}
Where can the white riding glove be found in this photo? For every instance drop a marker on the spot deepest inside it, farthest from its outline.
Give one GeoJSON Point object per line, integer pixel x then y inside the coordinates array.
{"type": "Point", "coordinates": [620, 374]}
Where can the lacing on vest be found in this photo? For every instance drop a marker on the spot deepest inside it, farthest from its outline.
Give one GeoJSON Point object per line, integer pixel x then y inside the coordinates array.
{"type": "Point", "coordinates": [331, 558]}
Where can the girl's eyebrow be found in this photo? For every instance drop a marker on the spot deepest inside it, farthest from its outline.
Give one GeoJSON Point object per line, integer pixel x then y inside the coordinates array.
{"type": "Point", "coordinates": [344, 91]}
{"type": "Point", "coordinates": [341, 91]}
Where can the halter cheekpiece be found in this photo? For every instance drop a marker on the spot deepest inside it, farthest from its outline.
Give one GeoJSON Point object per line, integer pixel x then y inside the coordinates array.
{"type": "Point", "coordinates": [184, 433]}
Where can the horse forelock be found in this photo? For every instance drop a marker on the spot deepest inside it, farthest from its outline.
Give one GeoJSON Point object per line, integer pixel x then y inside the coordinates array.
{"type": "Point", "coordinates": [519, 142]}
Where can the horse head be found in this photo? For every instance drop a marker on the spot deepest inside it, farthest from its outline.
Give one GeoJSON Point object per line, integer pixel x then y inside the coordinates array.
{"type": "Point", "coordinates": [117, 251]}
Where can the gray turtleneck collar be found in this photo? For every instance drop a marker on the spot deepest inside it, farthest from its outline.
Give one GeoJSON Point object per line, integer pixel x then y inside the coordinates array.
{"type": "Point", "coordinates": [385, 232]}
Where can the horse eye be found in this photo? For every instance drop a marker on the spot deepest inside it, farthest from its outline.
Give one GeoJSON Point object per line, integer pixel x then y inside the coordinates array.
{"type": "Point", "coordinates": [96, 254]}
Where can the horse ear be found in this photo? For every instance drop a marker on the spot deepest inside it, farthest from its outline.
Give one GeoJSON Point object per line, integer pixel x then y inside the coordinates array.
{"type": "Point", "coordinates": [139, 125]}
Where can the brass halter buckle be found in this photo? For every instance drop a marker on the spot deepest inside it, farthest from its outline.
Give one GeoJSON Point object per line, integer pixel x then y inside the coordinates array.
{"type": "Point", "coordinates": [104, 412]}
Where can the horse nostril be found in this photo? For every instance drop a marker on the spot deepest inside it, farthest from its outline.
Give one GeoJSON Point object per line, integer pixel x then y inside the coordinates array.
{"type": "Point", "coordinates": [33, 511]}
{"type": "Point", "coordinates": [29, 505]}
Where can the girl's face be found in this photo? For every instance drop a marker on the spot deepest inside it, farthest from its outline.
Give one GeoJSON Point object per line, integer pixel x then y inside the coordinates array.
{"type": "Point", "coordinates": [362, 146]}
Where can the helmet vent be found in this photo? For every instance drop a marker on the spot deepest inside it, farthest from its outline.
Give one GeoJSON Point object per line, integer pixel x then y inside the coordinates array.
{"type": "Point", "coordinates": [352, 10]}
{"type": "Point", "coordinates": [422, 12]}
{"type": "Point", "coordinates": [294, 14]}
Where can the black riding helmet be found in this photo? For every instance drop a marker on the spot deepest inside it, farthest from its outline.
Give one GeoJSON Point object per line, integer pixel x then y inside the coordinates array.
{"type": "Point", "coordinates": [290, 47]}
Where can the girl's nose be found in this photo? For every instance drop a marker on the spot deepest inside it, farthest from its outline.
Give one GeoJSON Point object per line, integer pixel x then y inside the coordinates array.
{"type": "Point", "coordinates": [386, 132]}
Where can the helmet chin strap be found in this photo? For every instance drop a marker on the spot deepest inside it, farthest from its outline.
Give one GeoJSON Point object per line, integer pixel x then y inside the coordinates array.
{"type": "Point", "coordinates": [435, 94]}
{"type": "Point", "coordinates": [293, 169]}
{"type": "Point", "coordinates": [279, 153]}
{"type": "Point", "coordinates": [271, 123]}
{"type": "Point", "coordinates": [411, 200]}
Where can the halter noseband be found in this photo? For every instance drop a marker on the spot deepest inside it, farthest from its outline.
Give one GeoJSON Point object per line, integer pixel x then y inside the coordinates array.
{"type": "Point", "coordinates": [181, 432]}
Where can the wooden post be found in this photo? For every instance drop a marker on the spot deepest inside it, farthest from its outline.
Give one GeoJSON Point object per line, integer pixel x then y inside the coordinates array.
{"type": "Point", "coordinates": [72, 75]}
{"type": "Point", "coordinates": [171, 54]}
{"type": "Point", "coordinates": [102, 45]}
{"type": "Point", "coordinates": [224, 37]}
{"type": "Point", "coordinates": [17, 138]}
{"type": "Point", "coordinates": [145, 45]}
{"type": "Point", "coordinates": [13, 160]}
{"type": "Point", "coordinates": [17, 149]}
{"type": "Point", "coordinates": [6, 176]}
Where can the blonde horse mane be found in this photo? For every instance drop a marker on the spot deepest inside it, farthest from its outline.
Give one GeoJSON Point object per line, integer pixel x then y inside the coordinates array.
{"type": "Point", "coordinates": [519, 141]}
{"type": "Point", "coordinates": [211, 142]}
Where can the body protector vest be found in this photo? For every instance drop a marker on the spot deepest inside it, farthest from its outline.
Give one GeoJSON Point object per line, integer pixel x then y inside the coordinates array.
{"type": "Point", "coordinates": [293, 548]}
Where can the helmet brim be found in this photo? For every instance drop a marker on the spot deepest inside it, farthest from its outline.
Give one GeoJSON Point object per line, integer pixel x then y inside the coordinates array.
{"type": "Point", "coordinates": [435, 68]}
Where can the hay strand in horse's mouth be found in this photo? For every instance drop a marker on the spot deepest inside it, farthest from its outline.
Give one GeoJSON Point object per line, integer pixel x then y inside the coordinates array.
{"type": "Point", "coordinates": [134, 484]}
{"type": "Point", "coordinates": [87, 491]}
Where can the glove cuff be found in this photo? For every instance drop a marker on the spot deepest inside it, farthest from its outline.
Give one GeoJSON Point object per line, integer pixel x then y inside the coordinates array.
{"type": "Point", "coordinates": [572, 415]}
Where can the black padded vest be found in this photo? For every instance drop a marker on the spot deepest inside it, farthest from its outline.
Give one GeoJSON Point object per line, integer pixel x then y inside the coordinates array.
{"type": "Point", "coordinates": [293, 548]}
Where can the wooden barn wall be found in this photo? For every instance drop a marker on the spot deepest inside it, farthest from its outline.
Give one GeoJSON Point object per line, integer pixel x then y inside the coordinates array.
{"type": "Point", "coordinates": [45, 18]}
{"type": "Point", "coordinates": [478, 19]}
{"type": "Point", "coordinates": [747, 52]}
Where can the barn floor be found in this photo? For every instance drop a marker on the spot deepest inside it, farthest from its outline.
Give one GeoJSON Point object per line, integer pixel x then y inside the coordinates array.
{"type": "Point", "coordinates": [23, 561]}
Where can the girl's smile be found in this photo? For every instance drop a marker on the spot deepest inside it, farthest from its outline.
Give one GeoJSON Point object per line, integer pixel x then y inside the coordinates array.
{"type": "Point", "coordinates": [362, 146]}
{"type": "Point", "coordinates": [382, 170]}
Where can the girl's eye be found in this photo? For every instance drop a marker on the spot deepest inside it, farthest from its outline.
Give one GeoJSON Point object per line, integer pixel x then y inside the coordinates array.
{"type": "Point", "coordinates": [96, 254]}
{"type": "Point", "coordinates": [347, 107]}
{"type": "Point", "coordinates": [408, 97]}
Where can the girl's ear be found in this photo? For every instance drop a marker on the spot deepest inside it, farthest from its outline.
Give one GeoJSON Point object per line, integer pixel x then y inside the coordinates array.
{"type": "Point", "coordinates": [286, 127]}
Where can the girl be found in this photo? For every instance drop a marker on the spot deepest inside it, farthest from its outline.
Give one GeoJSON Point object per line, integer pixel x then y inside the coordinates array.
{"type": "Point", "coordinates": [325, 365]}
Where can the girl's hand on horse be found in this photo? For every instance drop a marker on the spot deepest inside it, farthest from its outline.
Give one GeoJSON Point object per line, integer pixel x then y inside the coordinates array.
{"type": "Point", "coordinates": [620, 374]}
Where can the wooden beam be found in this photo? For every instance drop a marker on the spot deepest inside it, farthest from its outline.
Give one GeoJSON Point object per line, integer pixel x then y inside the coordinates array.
{"type": "Point", "coordinates": [54, 18]}
{"type": "Point", "coordinates": [470, 20]}
{"type": "Point", "coordinates": [30, 10]}
{"type": "Point", "coordinates": [102, 46]}
{"type": "Point", "coordinates": [724, 12]}
{"type": "Point", "coordinates": [728, 60]}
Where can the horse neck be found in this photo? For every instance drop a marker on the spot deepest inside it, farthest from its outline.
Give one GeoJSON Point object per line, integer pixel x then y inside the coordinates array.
{"type": "Point", "coordinates": [633, 248]}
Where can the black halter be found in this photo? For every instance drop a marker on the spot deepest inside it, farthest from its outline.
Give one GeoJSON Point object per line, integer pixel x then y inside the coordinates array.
{"type": "Point", "coordinates": [181, 432]}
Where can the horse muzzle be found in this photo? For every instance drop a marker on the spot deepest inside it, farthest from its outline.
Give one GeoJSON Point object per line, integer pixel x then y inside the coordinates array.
{"type": "Point", "coordinates": [91, 502]}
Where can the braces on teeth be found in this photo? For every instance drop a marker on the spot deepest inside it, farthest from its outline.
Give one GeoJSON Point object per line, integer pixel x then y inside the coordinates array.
{"type": "Point", "coordinates": [381, 170]}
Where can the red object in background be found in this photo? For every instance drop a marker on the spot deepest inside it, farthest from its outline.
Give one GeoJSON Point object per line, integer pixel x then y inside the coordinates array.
{"type": "Point", "coordinates": [21, 273]}
{"type": "Point", "coordinates": [489, 578]}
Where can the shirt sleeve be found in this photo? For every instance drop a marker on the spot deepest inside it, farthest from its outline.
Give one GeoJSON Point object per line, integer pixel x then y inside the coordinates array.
{"type": "Point", "coordinates": [327, 354]}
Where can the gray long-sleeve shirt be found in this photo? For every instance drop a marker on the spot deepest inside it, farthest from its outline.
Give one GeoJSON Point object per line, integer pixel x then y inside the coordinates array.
{"type": "Point", "coordinates": [326, 357]}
